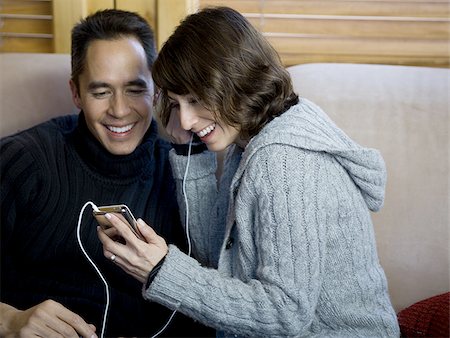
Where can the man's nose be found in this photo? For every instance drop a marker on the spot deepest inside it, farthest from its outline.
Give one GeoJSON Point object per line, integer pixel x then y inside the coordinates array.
{"type": "Point", "coordinates": [119, 106]}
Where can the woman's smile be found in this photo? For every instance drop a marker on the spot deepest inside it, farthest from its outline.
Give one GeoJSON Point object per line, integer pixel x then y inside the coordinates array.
{"type": "Point", "coordinates": [206, 131]}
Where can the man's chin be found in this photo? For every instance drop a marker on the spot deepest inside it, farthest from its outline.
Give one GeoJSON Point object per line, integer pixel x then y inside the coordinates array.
{"type": "Point", "coordinates": [121, 150]}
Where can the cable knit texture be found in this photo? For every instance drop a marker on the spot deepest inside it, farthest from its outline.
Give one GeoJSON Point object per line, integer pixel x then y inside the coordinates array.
{"type": "Point", "coordinates": [290, 233]}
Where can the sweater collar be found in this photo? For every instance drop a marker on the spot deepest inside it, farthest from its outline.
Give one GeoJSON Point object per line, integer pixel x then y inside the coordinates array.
{"type": "Point", "coordinates": [139, 162]}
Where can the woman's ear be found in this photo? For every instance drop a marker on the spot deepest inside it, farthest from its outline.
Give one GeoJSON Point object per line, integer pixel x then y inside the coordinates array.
{"type": "Point", "coordinates": [156, 96]}
{"type": "Point", "coordinates": [75, 94]}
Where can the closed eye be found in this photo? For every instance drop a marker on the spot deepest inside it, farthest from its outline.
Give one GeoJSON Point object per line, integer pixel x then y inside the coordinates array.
{"type": "Point", "coordinates": [137, 92]}
{"type": "Point", "coordinates": [100, 95]}
{"type": "Point", "coordinates": [174, 105]}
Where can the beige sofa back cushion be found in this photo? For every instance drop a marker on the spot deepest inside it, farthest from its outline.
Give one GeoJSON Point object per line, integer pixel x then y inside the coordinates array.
{"type": "Point", "coordinates": [403, 112]}
{"type": "Point", "coordinates": [33, 88]}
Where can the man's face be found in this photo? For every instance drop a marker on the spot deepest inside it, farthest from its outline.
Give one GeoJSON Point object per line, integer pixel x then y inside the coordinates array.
{"type": "Point", "coordinates": [116, 93]}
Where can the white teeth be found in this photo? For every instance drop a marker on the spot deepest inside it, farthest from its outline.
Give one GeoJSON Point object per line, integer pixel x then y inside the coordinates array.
{"type": "Point", "coordinates": [207, 130]}
{"type": "Point", "coordinates": [119, 130]}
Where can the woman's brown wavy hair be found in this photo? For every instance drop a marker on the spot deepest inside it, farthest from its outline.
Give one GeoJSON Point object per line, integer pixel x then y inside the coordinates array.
{"type": "Point", "coordinates": [217, 56]}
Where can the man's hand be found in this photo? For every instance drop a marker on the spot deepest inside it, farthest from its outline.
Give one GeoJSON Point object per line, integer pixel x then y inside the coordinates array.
{"type": "Point", "coordinates": [47, 319]}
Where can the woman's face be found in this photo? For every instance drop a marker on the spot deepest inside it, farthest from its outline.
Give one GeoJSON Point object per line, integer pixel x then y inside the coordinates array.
{"type": "Point", "coordinates": [194, 117]}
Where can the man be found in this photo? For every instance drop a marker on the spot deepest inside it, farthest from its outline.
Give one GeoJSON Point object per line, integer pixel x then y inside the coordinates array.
{"type": "Point", "coordinates": [110, 153]}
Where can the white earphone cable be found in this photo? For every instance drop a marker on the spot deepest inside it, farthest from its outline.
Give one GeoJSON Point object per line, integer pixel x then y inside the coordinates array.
{"type": "Point", "coordinates": [105, 314]}
{"type": "Point", "coordinates": [186, 226]}
{"type": "Point", "coordinates": [186, 204]}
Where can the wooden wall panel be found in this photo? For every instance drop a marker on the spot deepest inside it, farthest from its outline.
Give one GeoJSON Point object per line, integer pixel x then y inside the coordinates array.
{"type": "Point", "coordinates": [169, 15]}
{"type": "Point", "coordinates": [293, 59]}
{"type": "Point", "coordinates": [407, 32]}
{"type": "Point", "coordinates": [146, 8]}
{"type": "Point", "coordinates": [26, 44]}
{"type": "Point", "coordinates": [416, 8]}
{"type": "Point", "coordinates": [65, 14]}
{"type": "Point", "coordinates": [96, 5]}
{"type": "Point", "coordinates": [333, 25]}
{"type": "Point", "coordinates": [26, 26]}
{"type": "Point", "coordinates": [45, 25]}
{"type": "Point", "coordinates": [39, 7]}
{"type": "Point", "coordinates": [296, 50]}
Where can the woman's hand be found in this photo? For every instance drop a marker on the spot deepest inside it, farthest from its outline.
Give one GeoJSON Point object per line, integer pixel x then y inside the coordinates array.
{"type": "Point", "coordinates": [136, 257]}
{"type": "Point", "coordinates": [176, 132]}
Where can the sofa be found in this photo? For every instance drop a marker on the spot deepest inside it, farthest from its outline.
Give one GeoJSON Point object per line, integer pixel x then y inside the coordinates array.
{"type": "Point", "coordinates": [401, 110]}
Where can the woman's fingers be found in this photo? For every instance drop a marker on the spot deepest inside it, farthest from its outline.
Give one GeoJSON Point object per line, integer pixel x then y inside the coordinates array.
{"type": "Point", "coordinates": [121, 226]}
{"type": "Point", "coordinates": [135, 256]}
{"type": "Point", "coordinates": [149, 234]}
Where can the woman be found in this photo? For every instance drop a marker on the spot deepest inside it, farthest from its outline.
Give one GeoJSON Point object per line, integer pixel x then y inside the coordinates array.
{"type": "Point", "coordinates": [284, 245]}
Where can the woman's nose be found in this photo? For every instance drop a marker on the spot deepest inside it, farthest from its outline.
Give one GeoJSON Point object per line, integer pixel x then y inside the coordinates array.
{"type": "Point", "coordinates": [188, 118]}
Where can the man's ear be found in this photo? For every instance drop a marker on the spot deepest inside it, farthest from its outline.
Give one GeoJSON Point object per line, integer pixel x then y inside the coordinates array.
{"type": "Point", "coordinates": [75, 95]}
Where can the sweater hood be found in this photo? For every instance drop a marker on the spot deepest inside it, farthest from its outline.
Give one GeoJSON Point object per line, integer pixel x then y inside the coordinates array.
{"type": "Point", "coordinates": [306, 126]}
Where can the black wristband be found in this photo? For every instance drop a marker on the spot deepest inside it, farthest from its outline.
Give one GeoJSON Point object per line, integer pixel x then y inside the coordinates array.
{"type": "Point", "coordinates": [183, 149]}
{"type": "Point", "coordinates": [154, 272]}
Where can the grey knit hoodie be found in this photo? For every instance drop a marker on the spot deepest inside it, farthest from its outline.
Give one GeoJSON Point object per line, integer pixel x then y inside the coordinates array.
{"type": "Point", "coordinates": [286, 245]}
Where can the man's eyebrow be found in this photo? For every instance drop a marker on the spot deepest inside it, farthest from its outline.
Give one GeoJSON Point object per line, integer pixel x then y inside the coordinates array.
{"type": "Point", "coordinates": [137, 83]}
{"type": "Point", "coordinates": [96, 84]}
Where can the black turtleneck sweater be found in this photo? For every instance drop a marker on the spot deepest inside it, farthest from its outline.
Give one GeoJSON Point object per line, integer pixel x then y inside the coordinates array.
{"type": "Point", "coordinates": [47, 174]}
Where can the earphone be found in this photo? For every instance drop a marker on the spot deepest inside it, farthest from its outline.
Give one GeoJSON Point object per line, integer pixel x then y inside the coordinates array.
{"type": "Point", "coordinates": [105, 314]}
{"type": "Point", "coordinates": [95, 208]}
{"type": "Point", "coordinates": [186, 204]}
{"type": "Point", "coordinates": [186, 226]}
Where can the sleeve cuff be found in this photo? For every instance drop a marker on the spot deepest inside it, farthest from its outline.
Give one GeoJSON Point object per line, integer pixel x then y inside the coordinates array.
{"type": "Point", "coordinates": [154, 272]}
{"type": "Point", "coordinates": [169, 286]}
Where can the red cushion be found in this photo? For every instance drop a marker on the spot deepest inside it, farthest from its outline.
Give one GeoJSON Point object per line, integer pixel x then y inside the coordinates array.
{"type": "Point", "coordinates": [426, 318]}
